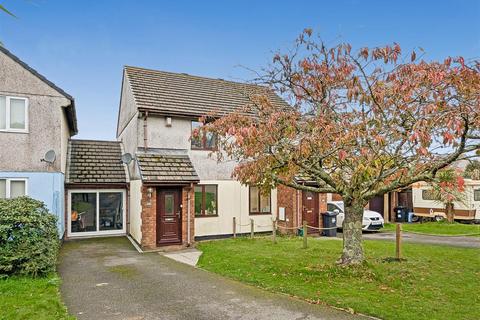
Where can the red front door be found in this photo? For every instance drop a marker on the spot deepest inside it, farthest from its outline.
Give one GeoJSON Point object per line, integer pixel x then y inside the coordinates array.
{"type": "Point", "coordinates": [169, 216]}
{"type": "Point", "coordinates": [310, 209]}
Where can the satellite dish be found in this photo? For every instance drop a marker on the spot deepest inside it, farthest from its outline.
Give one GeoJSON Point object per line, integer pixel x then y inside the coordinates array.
{"type": "Point", "coordinates": [127, 158]}
{"type": "Point", "coordinates": [49, 157]}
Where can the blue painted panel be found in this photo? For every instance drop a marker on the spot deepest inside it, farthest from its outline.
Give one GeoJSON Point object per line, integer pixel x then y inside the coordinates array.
{"type": "Point", "coordinates": [47, 187]}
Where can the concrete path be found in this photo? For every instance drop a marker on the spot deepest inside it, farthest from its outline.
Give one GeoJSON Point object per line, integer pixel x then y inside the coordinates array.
{"type": "Point", "coordinates": [106, 278]}
{"type": "Point", "coordinates": [187, 256]}
{"type": "Point", "coordinates": [466, 242]}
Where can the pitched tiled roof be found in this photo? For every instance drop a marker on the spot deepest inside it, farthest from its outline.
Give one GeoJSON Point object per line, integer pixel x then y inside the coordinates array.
{"type": "Point", "coordinates": [167, 168]}
{"type": "Point", "coordinates": [95, 162]}
{"type": "Point", "coordinates": [71, 114]}
{"type": "Point", "coordinates": [183, 94]}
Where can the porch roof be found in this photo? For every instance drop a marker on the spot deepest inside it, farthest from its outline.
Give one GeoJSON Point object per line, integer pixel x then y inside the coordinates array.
{"type": "Point", "coordinates": [166, 168]}
{"type": "Point", "coordinates": [95, 162]}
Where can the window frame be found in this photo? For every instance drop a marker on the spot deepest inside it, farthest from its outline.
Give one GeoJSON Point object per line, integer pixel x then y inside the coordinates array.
{"type": "Point", "coordinates": [203, 141]}
{"type": "Point", "coordinates": [7, 115]}
{"type": "Point", "coordinates": [203, 209]}
{"type": "Point", "coordinates": [259, 202]}
{"type": "Point", "coordinates": [8, 188]}
{"type": "Point", "coordinates": [475, 192]}
{"type": "Point", "coordinates": [98, 232]}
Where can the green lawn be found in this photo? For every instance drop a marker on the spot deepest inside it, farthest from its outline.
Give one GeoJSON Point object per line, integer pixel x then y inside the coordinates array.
{"type": "Point", "coordinates": [438, 228]}
{"type": "Point", "coordinates": [27, 298]}
{"type": "Point", "coordinates": [433, 282]}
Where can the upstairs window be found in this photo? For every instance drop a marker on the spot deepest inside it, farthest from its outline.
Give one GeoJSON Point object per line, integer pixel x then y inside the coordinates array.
{"type": "Point", "coordinates": [13, 114]}
{"type": "Point", "coordinates": [12, 188]}
{"type": "Point", "coordinates": [202, 140]}
{"type": "Point", "coordinates": [259, 203]}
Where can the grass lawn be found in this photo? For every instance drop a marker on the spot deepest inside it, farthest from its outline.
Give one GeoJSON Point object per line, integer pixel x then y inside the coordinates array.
{"type": "Point", "coordinates": [434, 282]}
{"type": "Point", "coordinates": [438, 228]}
{"type": "Point", "coordinates": [27, 298]}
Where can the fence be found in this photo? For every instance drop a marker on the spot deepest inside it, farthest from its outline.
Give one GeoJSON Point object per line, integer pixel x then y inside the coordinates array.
{"type": "Point", "coordinates": [305, 226]}
{"type": "Point", "coordinates": [275, 228]}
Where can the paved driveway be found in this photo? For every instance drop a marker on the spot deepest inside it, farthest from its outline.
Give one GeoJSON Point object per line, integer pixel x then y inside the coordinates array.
{"type": "Point", "coordinates": [105, 278]}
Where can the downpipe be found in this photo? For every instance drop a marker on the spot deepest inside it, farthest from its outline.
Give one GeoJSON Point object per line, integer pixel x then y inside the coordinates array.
{"type": "Point", "coordinates": [188, 218]}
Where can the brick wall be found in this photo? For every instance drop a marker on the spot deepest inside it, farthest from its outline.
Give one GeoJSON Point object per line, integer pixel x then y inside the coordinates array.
{"type": "Point", "coordinates": [287, 198]}
{"type": "Point", "coordinates": [149, 218]}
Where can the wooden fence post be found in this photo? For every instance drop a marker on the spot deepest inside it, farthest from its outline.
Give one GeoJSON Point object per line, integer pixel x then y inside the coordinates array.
{"type": "Point", "coordinates": [252, 231]}
{"type": "Point", "coordinates": [398, 242]}
{"type": "Point", "coordinates": [304, 234]}
{"type": "Point", "coordinates": [274, 230]}
{"type": "Point", "coordinates": [234, 227]}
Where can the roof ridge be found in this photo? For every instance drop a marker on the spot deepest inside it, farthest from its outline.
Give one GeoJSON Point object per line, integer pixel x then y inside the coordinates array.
{"type": "Point", "coordinates": [92, 140]}
{"type": "Point", "coordinates": [194, 76]}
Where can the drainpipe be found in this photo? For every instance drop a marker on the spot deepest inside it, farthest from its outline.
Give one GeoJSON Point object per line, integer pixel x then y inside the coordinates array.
{"type": "Point", "coordinates": [298, 208]}
{"type": "Point", "coordinates": [188, 215]}
{"type": "Point", "coordinates": [145, 132]}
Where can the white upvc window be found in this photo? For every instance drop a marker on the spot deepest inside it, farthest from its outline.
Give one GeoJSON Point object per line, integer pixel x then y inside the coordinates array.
{"type": "Point", "coordinates": [96, 212]}
{"type": "Point", "coordinates": [13, 187]}
{"type": "Point", "coordinates": [13, 114]}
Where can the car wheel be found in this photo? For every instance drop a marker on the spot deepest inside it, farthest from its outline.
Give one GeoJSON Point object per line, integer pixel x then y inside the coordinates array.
{"type": "Point", "coordinates": [415, 218]}
{"type": "Point", "coordinates": [438, 218]}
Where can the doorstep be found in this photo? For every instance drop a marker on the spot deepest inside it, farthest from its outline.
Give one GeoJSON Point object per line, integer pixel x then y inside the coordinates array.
{"type": "Point", "coordinates": [188, 256]}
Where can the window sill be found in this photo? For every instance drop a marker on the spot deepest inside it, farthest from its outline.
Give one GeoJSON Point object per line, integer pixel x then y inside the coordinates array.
{"type": "Point", "coordinates": [260, 213]}
{"type": "Point", "coordinates": [207, 216]}
{"type": "Point", "coordinates": [13, 131]}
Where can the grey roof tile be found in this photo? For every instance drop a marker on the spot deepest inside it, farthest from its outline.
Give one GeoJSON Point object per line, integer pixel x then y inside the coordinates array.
{"type": "Point", "coordinates": [160, 168]}
{"type": "Point", "coordinates": [183, 94]}
{"type": "Point", "coordinates": [95, 162]}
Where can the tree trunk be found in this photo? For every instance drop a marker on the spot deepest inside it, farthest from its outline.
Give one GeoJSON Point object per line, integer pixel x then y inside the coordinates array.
{"type": "Point", "coordinates": [450, 212]}
{"type": "Point", "coordinates": [352, 233]}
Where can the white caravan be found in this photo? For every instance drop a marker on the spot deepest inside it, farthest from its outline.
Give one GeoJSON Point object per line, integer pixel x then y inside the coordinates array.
{"type": "Point", "coordinates": [468, 210]}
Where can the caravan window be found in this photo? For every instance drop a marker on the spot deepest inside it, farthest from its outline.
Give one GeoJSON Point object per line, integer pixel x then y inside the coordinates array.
{"type": "Point", "coordinates": [428, 195]}
{"type": "Point", "coordinates": [476, 195]}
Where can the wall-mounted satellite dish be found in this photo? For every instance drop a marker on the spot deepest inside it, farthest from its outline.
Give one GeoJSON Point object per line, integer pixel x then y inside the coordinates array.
{"type": "Point", "coordinates": [127, 158]}
{"type": "Point", "coordinates": [49, 157]}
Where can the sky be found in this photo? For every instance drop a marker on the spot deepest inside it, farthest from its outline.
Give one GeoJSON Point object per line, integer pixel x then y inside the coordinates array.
{"type": "Point", "coordinates": [82, 46]}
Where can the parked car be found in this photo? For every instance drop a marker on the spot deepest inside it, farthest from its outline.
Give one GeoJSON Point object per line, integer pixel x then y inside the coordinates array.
{"type": "Point", "coordinates": [372, 220]}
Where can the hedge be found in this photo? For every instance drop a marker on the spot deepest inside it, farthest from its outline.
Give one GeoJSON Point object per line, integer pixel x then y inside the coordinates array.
{"type": "Point", "coordinates": [29, 241]}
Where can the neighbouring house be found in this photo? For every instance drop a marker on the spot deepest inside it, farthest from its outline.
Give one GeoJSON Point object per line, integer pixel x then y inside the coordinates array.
{"type": "Point", "coordinates": [178, 190]}
{"type": "Point", "coordinates": [296, 206]}
{"type": "Point", "coordinates": [36, 117]}
{"type": "Point", "coordinates": [425, 204]}
{"type": "Point", "coordinates": [96, 187]}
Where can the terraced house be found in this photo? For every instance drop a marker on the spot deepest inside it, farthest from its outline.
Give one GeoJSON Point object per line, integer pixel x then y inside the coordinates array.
{"type": "Point", "coordinates": [37, 119]}
{"type": "Point", "coordinates": [178, 191]}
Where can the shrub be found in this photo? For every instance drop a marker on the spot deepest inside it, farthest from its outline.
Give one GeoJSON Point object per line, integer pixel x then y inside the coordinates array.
{"type": "Point", "coordinates": [28, 237]}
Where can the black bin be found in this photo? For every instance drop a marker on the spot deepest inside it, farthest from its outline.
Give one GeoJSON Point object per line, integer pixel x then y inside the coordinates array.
{"type": "Point", "coordinates": [330, 223]}
{"type": "Point", "coordinates": [401, 214]}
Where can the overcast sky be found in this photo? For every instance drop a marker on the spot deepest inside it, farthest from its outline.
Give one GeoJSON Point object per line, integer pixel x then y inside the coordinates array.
{"type": "Point", "coordinates": [82, 46]}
